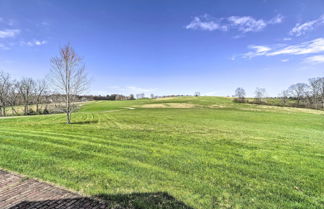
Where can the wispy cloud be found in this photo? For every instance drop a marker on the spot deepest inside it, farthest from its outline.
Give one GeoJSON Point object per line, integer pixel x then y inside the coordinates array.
{"type": "Point", "coordinates": [9, 33]}
{"type": "Point", "coordinates": [247, 23]}
{"type": "Point", "coordinates": [206, 23]}
{"type": "Point", "coordinates": [315, 59]}
{"type": "Point", "coordinates": [33, 43]}
{"type": "Point", "coordinates": [243, 24]}
{"type": "Point", "coordinates": [276, 20]}
{"type": "Point", "coordinates": [302, 28]}
{"type": "Point", "coordinates": [285, 60]}
{"type": "Point", "coordinates": [257, 50]}
{"type": "Point", "coordinates": [309, 47]}
{"type": "Point", "coordinates": [287, 39]}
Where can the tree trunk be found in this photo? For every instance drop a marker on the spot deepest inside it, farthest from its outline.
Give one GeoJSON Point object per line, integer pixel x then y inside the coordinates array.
{"type": "Point", "coordinates": [26, 109]}
{"type": "Point", "coordinates": [68, 109]}
{"type": "Point", "coordinates": [68, 117]}
{"type": "Point", "coordinates": [14, 110]}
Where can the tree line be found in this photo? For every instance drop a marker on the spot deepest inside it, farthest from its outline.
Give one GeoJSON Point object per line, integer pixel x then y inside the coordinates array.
{"type": "Point", "coordinates": [24, 92]}
{"type": "Point", "coordinates": [66, 81]}
{"type": "Point", "coordinates": [307, 95]}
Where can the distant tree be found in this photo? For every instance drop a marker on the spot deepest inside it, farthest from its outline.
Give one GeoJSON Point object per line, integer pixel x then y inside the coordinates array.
{"type": "Point", "coordinates": [284, 95]}
{"type": "Point", "coordinates": [197, 94]}
{"type": "Point", "coordinates": [240, 94]}
{"type": "Point", "coordinates": [259, 94]}
{"type": "Point", "coordinates": [321, 90]}
{"type": "Point", "coordinates": [140, 96]}
{"type": "Point", "coordinates": [131, 97]}
{"type": "Point", "coordinates": [26, 91]}
{"type": "Point", "coordinates": [68, 77]}
{"type": "Point", "coordinates": [298, 91]}
{"type": "Point", "coordinates": [5, 86]}
{"type": "Point", "coordinates": [314, 86]}
{"type": "Point", "coordinates": [13, 96]}
{"type": "Point", "coordinates": [40, 92]}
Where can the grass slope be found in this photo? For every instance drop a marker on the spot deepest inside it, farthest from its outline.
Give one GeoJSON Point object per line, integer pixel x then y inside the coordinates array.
{"type": "Point", "coordinates": [210, 154]}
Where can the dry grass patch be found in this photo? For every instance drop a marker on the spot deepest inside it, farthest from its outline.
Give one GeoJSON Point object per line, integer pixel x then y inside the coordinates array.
{"type": "Point", "coordinates": [169, 105]}
{"type": "Point", "coordinates": [283, 109]}
{"type": "Point", "coordinates": [217, 106]}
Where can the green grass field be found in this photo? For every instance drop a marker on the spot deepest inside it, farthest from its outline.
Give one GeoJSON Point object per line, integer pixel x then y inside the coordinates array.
{"type": "Point", "coordinates": [190, 152]}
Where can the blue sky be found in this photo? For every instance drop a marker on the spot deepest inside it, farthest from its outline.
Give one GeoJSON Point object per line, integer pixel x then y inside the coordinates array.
{"type": "Point", "coordinates": [169, 46]}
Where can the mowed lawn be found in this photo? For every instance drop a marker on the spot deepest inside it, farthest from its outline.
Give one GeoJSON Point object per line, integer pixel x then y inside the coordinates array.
{"type": "Point", "coordinates": [190, 152]}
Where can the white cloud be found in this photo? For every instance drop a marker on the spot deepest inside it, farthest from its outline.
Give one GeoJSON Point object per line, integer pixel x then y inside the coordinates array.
{"type": "Point", "coordinates": [247, 24]}
{"type": "Point", "coordinates": [38, 43]}
{"type": "Point", "coordinates": [203, 23]}
{"type": "Point", "coordinates": [301, 29]}
{"type": "Point", "coordinates": [9, 33]}
{"type": "Point", "coordinates": [315, 59]}
{"type": "Point", "coordinates": [276, 20]}
{"type": "Point", "coordinates": [33, 43]}
{"type": "Point", "coordinates": [260, 49]}
{"type": "Point", "coordinates": [287, 39]}
{"type": "Point", "coordinates": [309, 47]}
{"type": "Point", "coordinates": [257, 50]}
{"type": "Point", "coordinates": [284, 60]}
{"type": "Point", "coordinates": [243, 24]}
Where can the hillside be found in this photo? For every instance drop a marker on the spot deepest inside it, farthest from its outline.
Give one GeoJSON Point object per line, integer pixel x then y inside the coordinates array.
{"type": "Point", "coordinates": [204, 151]}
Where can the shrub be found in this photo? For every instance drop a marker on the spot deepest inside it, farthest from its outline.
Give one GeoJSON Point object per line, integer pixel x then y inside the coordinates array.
{"type": "Point", "coordinates": [31, 112]}
{"type": "Point", "coordinates": [46, 111]}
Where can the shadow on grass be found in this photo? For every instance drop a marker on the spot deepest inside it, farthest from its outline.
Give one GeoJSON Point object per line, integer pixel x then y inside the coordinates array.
{"type": "Point", "coordinates": [85, 122]}
{"type": "Point", "coordinates": [159, 200]}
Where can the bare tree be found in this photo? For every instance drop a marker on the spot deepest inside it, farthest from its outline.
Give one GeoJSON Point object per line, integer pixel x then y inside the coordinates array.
{"type": "Point", "coordinates": [321, 90]}
{"type": "Point", "coordinates": [5, 86]}
{"type": "Point", "coordinates": [13, 96]}
{"type": "Point", "coordinates": [68, 77]}
{"type": "Point", "coordinates": [240, 94]}
{"type": "Point", "coordinates": [259, 94]}
{"type": "Point", "coordinates": [298, 91]}
{"type": "Point", "coordinates": [40, 91]}
{"type": "Point", "coordinates": [314, 86]}
{"type": "Point", "coordinates": [284, 95]}
{"type": "Point", "coordinates": [26, 89]}
{"type": "Point", "coordinates": [140, 96]}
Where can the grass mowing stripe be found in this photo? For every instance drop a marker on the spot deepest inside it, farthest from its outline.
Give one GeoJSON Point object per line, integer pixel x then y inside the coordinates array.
{"type": "Point", "coordinates": [120, 161]}
{"type": "Point", "coordinates": [100, 141]}
{"type": "Point", "coordinates": [47, 137]}
{"type": "Point", "coordinates": [73, 154]}
{"type": "Point", "coordinates": [241, 158]}
{"type": "Point", "coordinates": [76, 154]}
